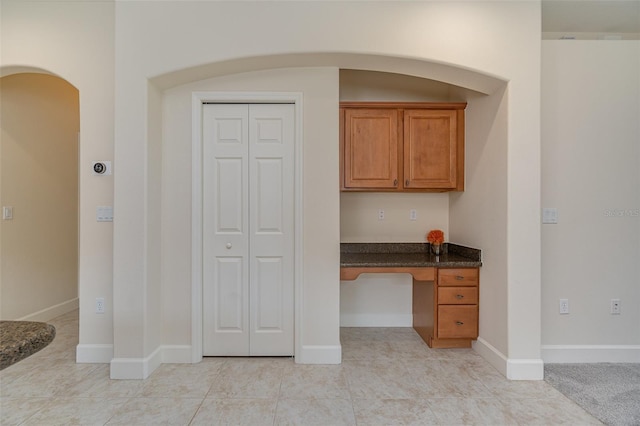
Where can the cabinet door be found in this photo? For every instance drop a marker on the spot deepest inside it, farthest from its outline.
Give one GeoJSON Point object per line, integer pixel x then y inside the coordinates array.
{"type": "Point", "coordinates": [457, 321]}
{"type": "Point", "coordinates": [371, 148]}
{"type": "Point", "coordinates": [430, 149]}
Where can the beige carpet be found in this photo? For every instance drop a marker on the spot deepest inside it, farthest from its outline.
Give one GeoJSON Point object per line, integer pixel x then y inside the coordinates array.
{"type": "Point", "coordinates": [609, 392]}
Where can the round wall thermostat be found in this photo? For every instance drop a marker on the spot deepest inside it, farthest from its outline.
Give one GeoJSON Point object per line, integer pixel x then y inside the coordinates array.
{"type": "Point", "coordinates": [101, 168]}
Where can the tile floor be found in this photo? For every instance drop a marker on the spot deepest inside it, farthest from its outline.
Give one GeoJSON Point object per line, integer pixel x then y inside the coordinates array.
{"type": "Point", "coordinates": [388, 377]}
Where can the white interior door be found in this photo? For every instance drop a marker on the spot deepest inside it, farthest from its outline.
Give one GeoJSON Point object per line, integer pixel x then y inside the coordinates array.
{"type": "Point", "coordinates": [248, 243]}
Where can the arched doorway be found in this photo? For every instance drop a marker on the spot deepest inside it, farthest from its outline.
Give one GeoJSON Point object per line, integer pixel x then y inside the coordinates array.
{"type": "Point", "coordinates": [40, 122]}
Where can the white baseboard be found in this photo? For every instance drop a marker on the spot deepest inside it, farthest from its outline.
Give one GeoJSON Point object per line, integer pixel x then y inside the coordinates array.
{"type": "Point", "coordinates": [512, 369]}
{"type": "Point", "coordinates": [94, 354]}
{"type": "Point", "coordinates": [136, 368]}
{"type": "Point", "coordinates": [590, 353]}
{"type": "Point", "coordinates": [492, 355]}
{"type": "Point", "coordinates": [376, 320]}
{"type": "Point", "coordinates": [176, 354]}
{"type": "Point", "coordinates": [317, 354]}
{"type": "Point", "coordinates": [51, 312]}
{"type": "Point", "coordinates": [525, 369]}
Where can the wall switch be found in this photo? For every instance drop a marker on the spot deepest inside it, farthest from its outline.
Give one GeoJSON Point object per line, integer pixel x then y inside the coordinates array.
{"type": "Point", "coordinates": [104, 214]}
{"type": "Point", "coordinates": [413, 214]}
{"type": "Point", "coordinates": [99, 305]}
{"type": "Point", "coordinates": [7, 213]}
{"type": "Point", "coordinates": [615, 306]}
{"type": "Point", "coordinates": [550, 215]}
{"type": "Point", "coordinates": [564, 306]}
{"type": "Point", "coordinates": [380, 214]}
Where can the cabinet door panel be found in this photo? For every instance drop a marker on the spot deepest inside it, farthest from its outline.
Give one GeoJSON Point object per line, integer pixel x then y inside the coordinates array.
{"type": "Point", "coordinates": [430, 149]}
{"type": "Point", "coordinates": [458, 321]}
{"type": "Point", "coordinates": [371, 148]}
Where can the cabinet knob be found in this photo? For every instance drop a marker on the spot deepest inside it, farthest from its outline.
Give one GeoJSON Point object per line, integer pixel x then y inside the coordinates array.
{"type": "Point", "coordinates": [229, 245]}
{"type": "Point", "coordinates": [395, 182]}
{"type": "Point", "coordinates": [459, 277]}
{"type": "Point", "coordinates": [406, 182]}
{"type": "Point", "coordinates": [459, 296]}
{"type": "Point", "coordinates": [459, 323]}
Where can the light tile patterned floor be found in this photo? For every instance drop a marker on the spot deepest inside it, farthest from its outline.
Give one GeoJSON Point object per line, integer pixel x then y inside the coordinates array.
{"type": "Point", "coordinates": [388, 377]}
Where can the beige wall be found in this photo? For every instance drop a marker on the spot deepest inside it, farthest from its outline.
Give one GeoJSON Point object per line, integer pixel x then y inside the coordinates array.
{"type": "Point", "coordinates": [478, 217]}
{"type": "Point", "coordinates": [591, 174]}
{"type": "Point", "coordinates": [111, 51]}
{"type": "Point", "coordinates": [39, 165]}
{"type": "Point", "coordinates": [75, 40]}
{"type": "Point", "coordinates": [319, 87]}
{"type": "Point", "coordinates": [493, 34]}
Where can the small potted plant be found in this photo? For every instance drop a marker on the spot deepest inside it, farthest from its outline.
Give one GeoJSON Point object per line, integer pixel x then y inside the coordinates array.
{"type": "Point", "coordinates": [435, 237]}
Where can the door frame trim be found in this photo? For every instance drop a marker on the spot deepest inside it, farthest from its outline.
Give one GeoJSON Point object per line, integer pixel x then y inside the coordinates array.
{"type": "Point", "coordinates": [198, 100]}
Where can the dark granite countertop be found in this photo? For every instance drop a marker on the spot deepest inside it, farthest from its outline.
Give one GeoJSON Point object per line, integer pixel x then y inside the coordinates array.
{"type": "Point", "coordinates": [19, 339]}
{"type": "Point", "coordinates": [363, 255]}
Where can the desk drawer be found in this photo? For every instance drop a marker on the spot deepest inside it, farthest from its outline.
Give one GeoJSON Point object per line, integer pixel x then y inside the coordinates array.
{"type": "Point", "coordinates": [458, 321]}
{"type": "Point", "coordinates": [458, 295]}
{"type": "Point", "coordinates": [458, 276]}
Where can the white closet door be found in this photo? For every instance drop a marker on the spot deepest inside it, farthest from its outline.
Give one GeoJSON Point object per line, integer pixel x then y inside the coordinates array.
{"type": "Point", "coordinates": [225, 221]}
{"type": "Point", "coordinates": [271, 137]}
{"type": "Point", "coordinates": [248, 229]}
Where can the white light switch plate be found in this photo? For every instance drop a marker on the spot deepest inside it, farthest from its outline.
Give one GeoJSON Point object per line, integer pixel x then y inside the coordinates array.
{"type": "Point", "coordinates": [549, 215]}
{"type": "Point", "coordinates": [104, 214]}
{"type": "Point", "coordinates": [7, 213]}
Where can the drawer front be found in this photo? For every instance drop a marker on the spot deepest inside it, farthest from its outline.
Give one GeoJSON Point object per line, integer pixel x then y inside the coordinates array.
{"type": "Point", "coordinates": [458, 295]}
{"type": "Point", "coordinates": [458, 321]}
{"type": "Point", "coordinates": [457, 276]}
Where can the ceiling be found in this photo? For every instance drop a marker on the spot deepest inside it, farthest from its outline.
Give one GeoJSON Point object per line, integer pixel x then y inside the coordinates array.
{"type": "Point", "coordinates": [620, 17]}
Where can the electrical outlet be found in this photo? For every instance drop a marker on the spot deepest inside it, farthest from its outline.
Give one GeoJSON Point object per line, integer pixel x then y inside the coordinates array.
{"type": "Point", "coordinates": [380, 214]}
{"type": "Point", "coordinates": [99, 305]}
{"type": "Point", "coordinates": [413, 214]}
{"type": "Point", "coordinates": [564, 306]}
{"type": "Point", "coordinates": [615, 306]}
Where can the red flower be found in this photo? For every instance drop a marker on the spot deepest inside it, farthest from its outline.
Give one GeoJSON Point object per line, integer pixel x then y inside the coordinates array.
{"type": "Point", "coordinates": [435, 236]}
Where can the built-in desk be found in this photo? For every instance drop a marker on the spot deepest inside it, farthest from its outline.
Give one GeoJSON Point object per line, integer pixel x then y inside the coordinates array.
{"type": "Point", "coordinates": [445, 288]}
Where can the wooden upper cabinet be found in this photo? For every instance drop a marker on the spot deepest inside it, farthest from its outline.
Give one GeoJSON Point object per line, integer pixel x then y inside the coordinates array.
{"type": "Point", "coordinates": [430, 149]}
{"type": "Point", "coordinates": [370, 148]}
{"type": "Point", "coordinates": [402, 146]}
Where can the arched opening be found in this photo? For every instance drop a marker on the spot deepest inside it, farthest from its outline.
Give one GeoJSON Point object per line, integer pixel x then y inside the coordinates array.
{"type": "Point", "coordinates": [40, 124]}
{"type": "Point", "coordinates": [317, 76]}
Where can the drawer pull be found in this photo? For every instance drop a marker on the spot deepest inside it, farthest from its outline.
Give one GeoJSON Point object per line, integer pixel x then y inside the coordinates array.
{"type": "Point", "coordinates": [459, 296]}
{"type": "Point", "coordinates": [459, 277]}
{"type": "Point", "coordinates": [459, 323]}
